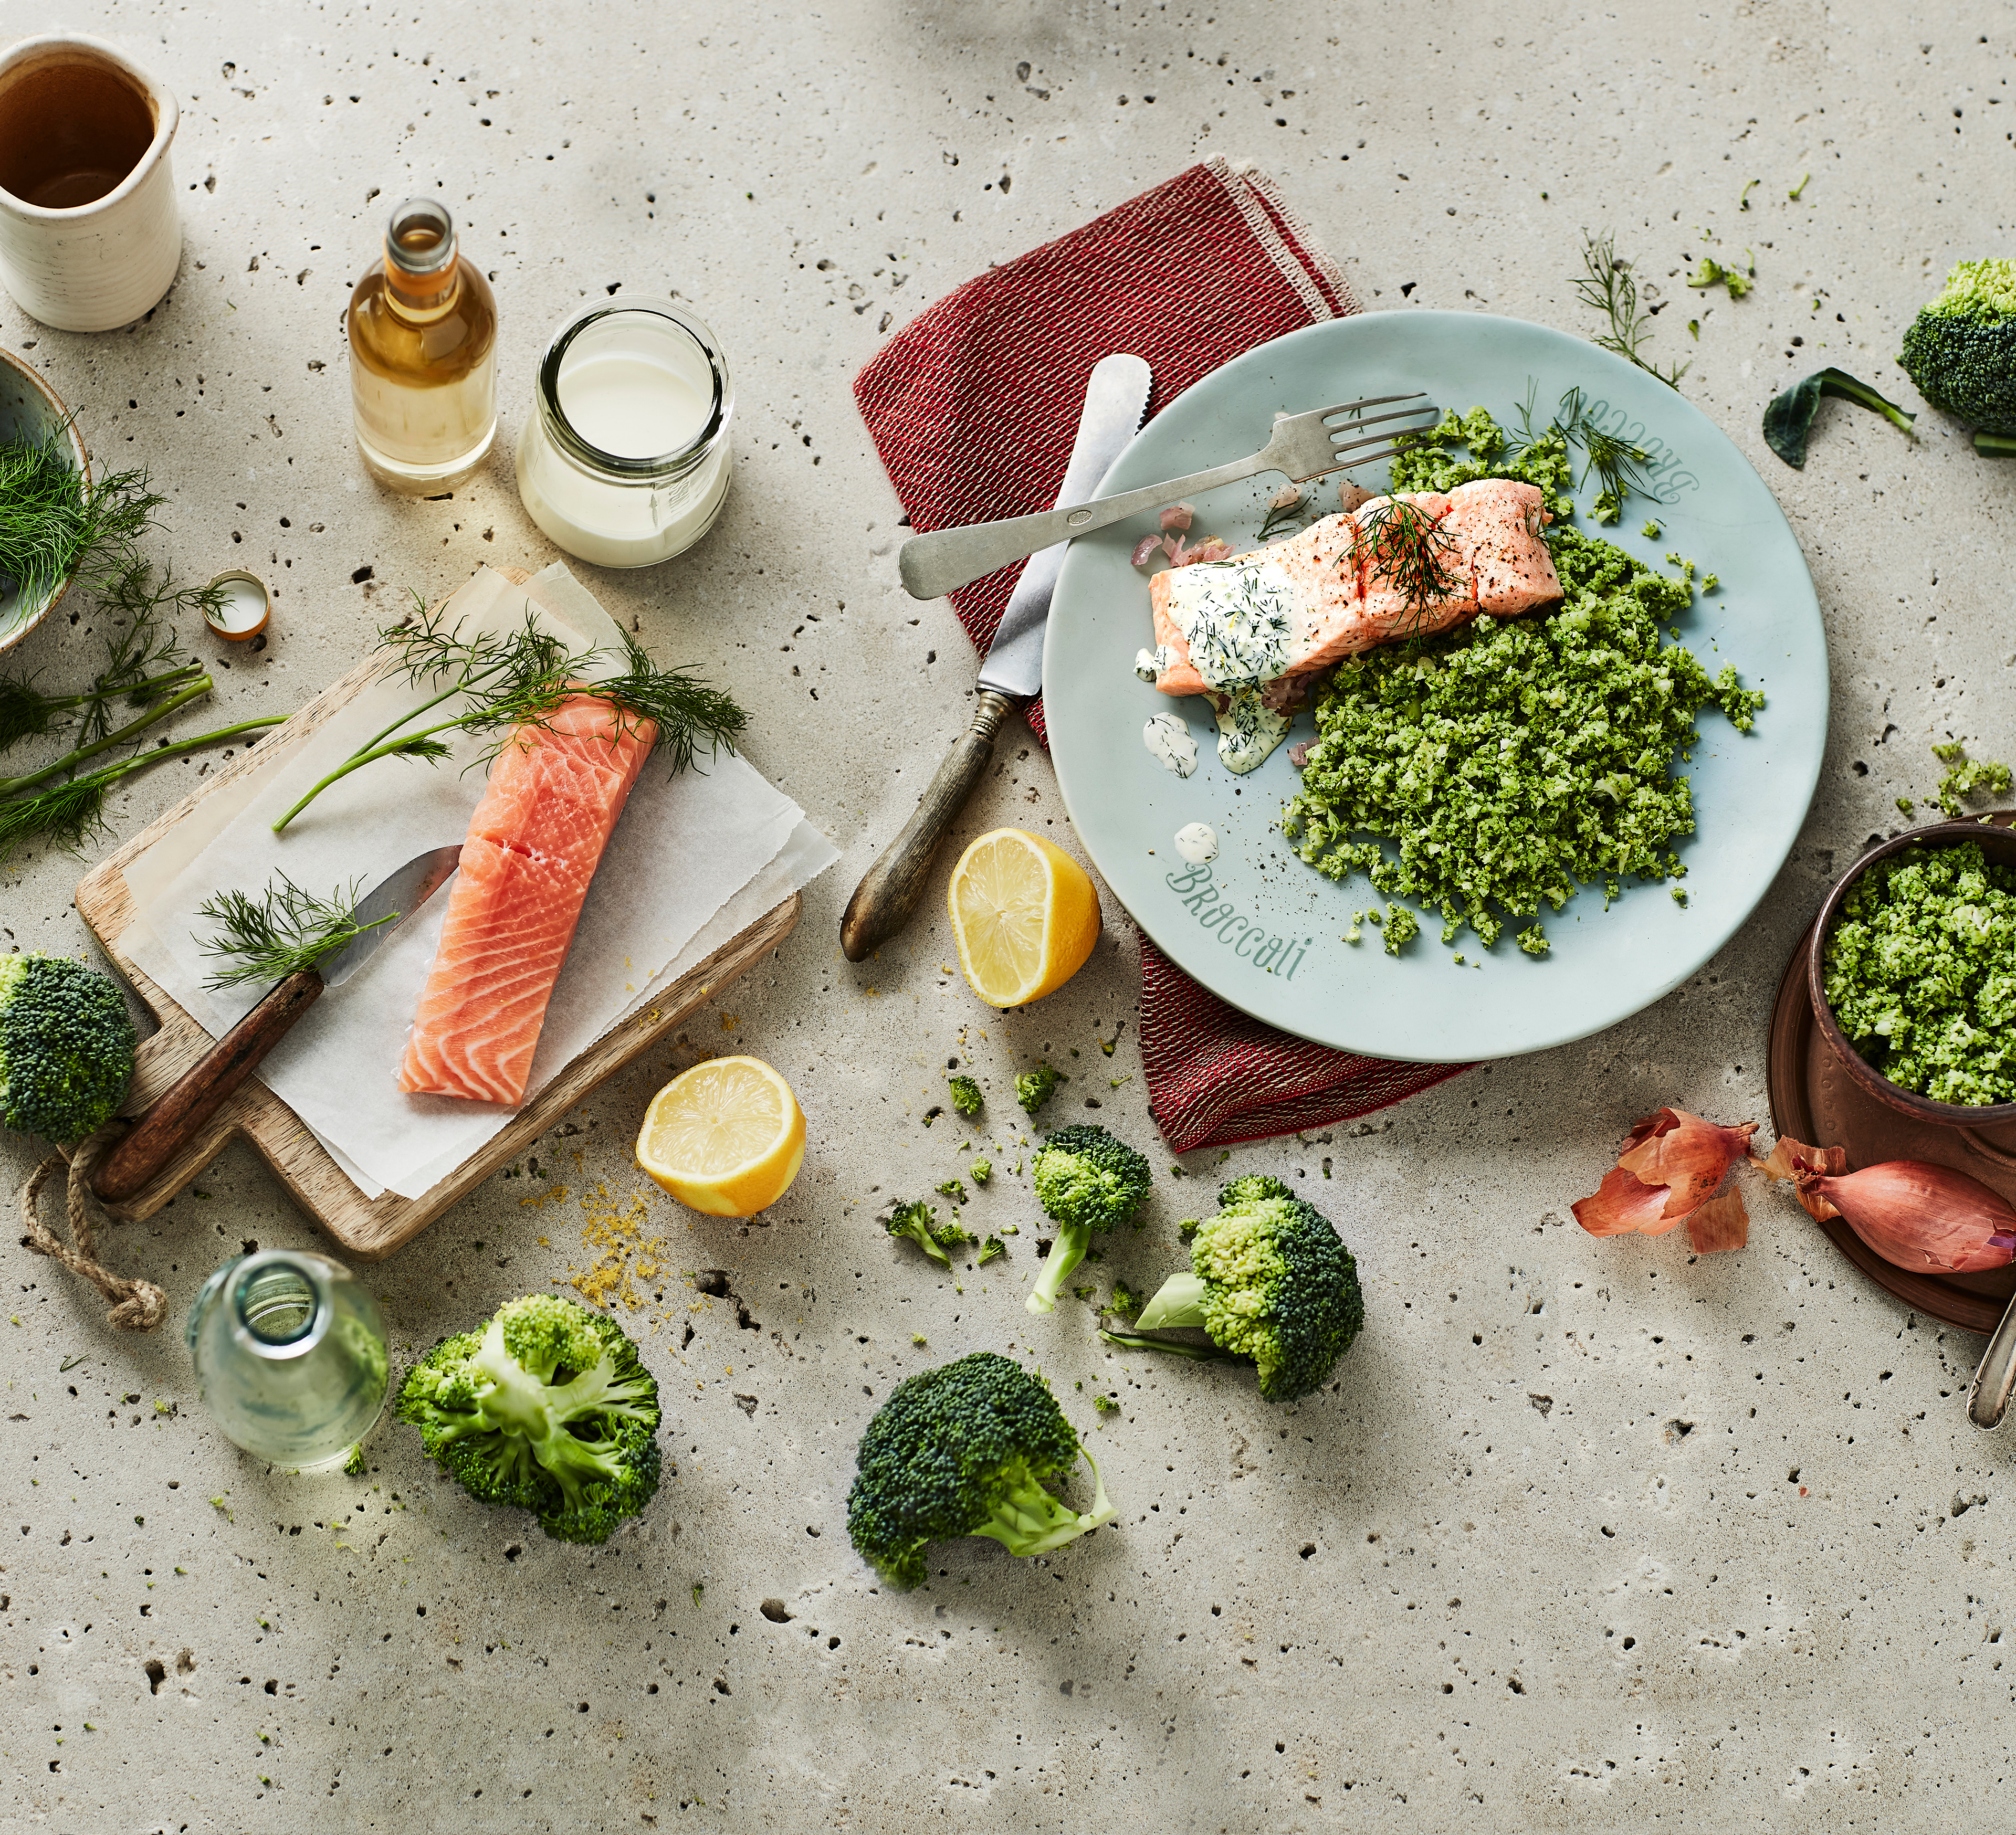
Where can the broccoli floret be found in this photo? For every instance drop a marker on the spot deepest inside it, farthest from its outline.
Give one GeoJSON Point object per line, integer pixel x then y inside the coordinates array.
{"type": "Point", "coordinates": [980, 1171]}
{"type": "Point", "coordinates": [1033, 1088]}
{"type": "Point", "coordinates": [964, 1450]}
{"type": "Point", "coordinates": [1086, 1182]}
{"type": "Point", "coordinates": [954, 1189]}
{"type": "Point", "coordinates": [953, 1234]}
{"type": "Point", "coordinates": [992, 1247]}
{"type": "Point", "coordinates": [1125, 1301]}
{"type": "Point", "coordinates": [917, 1221]}
{"type": "Point", "coordinates": [548, 1409]}
{"type": "Point", "coordinates": [1269, 1280]}
{"type": "Point", "coordinates": [353, 1467]}
{"type": "Point", "coordinates": [65, 1047]}
{"type": "Point", "coordinates": [1961, 351]}
{"type": "Point", "coordinates": [965, 1094]}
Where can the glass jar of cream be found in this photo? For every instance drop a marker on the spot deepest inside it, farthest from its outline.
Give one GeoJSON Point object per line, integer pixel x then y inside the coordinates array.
{"type": "Point", "coordinates": [625, 459]}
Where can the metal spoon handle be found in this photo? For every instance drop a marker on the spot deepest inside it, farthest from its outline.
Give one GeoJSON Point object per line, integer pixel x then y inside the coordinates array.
{"type": "Point", "coordinates": [1988, 1399]}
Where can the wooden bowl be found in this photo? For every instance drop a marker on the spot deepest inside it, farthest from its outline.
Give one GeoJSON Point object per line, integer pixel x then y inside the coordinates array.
{"type": "Point", "coordinates": [1998, 846]}
{"type": "Point", "coordinates": [29, 409]}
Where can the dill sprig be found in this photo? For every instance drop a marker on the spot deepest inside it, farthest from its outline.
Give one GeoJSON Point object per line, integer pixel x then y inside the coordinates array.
{"type": "Point", "coordinates": [144, 663]}
{"type": "Point", "coordinates": [1287, 512]}
{"type": "Point", "coordinates": [285, 929]}
{"type": "Point", "coordinates": [68, 813]}
{"type": "Point", "coordinates": [1399, 544]}
{"type": "Point", "coordinates": [1615, 462]}
{"type": "Point", "coordinates": [1608, 284]}
{"type": "Point", "coordinates": [522, 678]}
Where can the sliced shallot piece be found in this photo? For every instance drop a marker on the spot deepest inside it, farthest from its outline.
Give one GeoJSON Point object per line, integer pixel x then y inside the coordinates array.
{"type": "Point", "coordinates": [1916, 1214]}
{"type": "Point", "coordinates": [1145, 549]}
{"type": "Point", "coordinates": [1178, 516]}
{"type": "Point", "coordinates": [1212, 549]}
{"type": "Point", "coordinates": [1286, 498]}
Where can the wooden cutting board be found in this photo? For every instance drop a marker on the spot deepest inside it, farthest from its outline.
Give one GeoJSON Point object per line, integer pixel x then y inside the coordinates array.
{"type": "Point", "coordinates": [367, 1228]}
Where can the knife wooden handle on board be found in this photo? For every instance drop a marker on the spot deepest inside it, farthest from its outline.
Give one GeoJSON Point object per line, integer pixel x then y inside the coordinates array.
{"type": "Point", "coordinates": [196, 1096]}
{"type": "Point", "coordinates": [889, 890]}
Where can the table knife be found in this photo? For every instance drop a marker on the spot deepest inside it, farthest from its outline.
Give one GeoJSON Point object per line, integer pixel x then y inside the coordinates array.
{"type": "Point", "coordinates": [200, 1091]}
{"type": "Point", "coordinates": [1012, 674]}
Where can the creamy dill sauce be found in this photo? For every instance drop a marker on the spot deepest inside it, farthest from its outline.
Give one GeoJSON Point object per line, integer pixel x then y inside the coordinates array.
{"type": "Point", "coordinates": [1248, 731]}
{"type": "Point", "coordinates": [1197, 843]}
{"type": "Point", "coordinates": [1171, 744]}
{"type": "Point", "coordinates": [1149, 664]}
{"type": "Point", "coordinates": [1237, 618]}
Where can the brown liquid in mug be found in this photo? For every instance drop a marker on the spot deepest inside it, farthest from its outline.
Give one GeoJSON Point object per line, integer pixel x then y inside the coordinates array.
{"type": "Point", "coordinates": [71, 129]}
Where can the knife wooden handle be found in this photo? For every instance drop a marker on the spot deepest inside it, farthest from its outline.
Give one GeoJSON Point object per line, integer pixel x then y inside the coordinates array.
{"type": "Point", "coordinates": [889, 890]}
{"type": "Point", "coordinates": [203, 1088]}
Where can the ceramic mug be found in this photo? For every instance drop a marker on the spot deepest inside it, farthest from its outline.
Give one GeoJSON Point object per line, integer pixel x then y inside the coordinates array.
{"type": "Point", "coordinates": [90, 236]}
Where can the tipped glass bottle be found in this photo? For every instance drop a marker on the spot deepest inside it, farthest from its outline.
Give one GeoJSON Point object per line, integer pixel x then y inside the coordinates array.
{"type": "Point", "coordinates": [290, 1356]}
{"type": "Point", "coordinates": [422, 331]}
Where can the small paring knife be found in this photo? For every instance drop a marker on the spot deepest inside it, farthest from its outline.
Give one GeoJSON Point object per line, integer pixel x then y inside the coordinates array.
{"type": "Point", "coordinates": [1116, 397]}
{"type": "Point", "coordinates": [201, 1090]}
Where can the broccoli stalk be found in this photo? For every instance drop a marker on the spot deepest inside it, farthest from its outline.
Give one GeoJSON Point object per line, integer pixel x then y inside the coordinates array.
{"type": "Point", "coordinates": [66, 1046]}
{"type": "Point", "coordinates": [549, 1408]}
{"type": "Point", "coordinates": [966, 1449]}
{"type": "Point", "coordinates": [1086, 1182]}
{"type": "Point", "coordinates": [916, 1222]}
{"type": "Point", "coordinates": [1269, 1280]}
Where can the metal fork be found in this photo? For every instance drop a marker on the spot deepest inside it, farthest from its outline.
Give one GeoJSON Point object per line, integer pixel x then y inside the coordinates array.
{"type": "Point", "coordinates": [1304, 446]}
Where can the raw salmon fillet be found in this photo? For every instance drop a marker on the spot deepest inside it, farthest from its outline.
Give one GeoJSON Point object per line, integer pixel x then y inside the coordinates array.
{"type": "Point", "coordinates": [1343, 605]}
{"type": "Point", "coordinates": [553, 798]}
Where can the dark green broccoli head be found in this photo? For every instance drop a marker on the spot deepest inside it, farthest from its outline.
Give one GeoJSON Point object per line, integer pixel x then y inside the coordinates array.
{"type": "Point", "coordinates": [965, 1094]}
{"type": "Point", "coordinates": [549, 1409]}
{"type": "Point", "coordinates": [1961, 351]}
{"type": "Point", "coordinates": [964, 1450]}
{"type": "Point", "coordinates": [1084, 1176]}
{"type": "Point", "coordinates": [66, 1047]}
{"type": "Point", "coordinates": [1086, 1182]}
{"type": "Point", "coordinates": [1278, 1285]}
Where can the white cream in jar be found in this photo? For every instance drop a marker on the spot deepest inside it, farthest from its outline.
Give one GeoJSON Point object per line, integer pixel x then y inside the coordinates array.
{"type": "Point", "coordinates": [625, 459]}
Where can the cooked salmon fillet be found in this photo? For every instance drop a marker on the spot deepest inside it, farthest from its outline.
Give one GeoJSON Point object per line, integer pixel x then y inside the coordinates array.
{"type": "Point", "coordinates": [553, 798]}
{"type": "Point", "coordinates": [1340, 603]}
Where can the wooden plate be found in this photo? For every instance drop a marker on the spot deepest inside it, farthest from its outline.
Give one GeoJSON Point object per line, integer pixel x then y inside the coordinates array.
{"type": "Point", "coordinates": [1814, 1099]}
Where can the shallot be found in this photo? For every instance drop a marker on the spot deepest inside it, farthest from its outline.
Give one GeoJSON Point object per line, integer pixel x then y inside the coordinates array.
{"type": "Point", "coordinates": [1178, 516]}
{"type": "Point", "coordinates": [1145, 549]}
{"type": "Point", "coordinates": [1914, 1214]}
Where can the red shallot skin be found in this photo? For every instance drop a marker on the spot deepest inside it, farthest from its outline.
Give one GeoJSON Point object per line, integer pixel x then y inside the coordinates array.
{"type": "Point", "coordinates": [1720, 1223]}
{"type": "Point", "coordinates": [1683, 1152]}
{"type": "Point", "coordinates": [1786, 1160]}
{"type": "Point", "coordinates": [1621, 1204]}
{"type": "Point", "coordinates": [1916, 1214]}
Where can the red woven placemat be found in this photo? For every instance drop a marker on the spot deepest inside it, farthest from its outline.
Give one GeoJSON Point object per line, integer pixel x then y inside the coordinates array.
{"type": "Point", "coordinates": [974, 406]}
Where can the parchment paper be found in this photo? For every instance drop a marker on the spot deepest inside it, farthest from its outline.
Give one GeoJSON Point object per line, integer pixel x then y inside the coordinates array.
{"type": "Point", "coordinates": [695, 858]}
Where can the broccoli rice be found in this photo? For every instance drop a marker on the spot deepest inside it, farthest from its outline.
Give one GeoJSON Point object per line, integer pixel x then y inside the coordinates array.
{"type": "Point", "coordinates": [1511, 760]}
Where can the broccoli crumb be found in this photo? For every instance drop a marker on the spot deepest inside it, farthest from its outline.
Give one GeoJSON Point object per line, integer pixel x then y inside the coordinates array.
{"type": "Point", "coordinates": [1457, 958]}
{"type": "Point", "coordinates": [1680, 896]}
{"type": "Point", "coordinates": [980, 1171]}
{"type": "Point", "coordinates": [1033, 1088]}
{"type": "Point", "coordinates": [1401, 928]}
{"type": "Point", "coordinates": [1125, 1299]}
{"type": "Point", "coordinates": [1906, 806]}
{"type": "Point", "coordinates": [1653, 531]}
{"type": "Point", "coordinates": [919, 1338]}
{"type": "Point", "coordinates": [965, 1094]}
{"type": "Point", "coordinates": [953, 1188]}
{"type": "Point", "coordinates": [1965, 778]}
{"type": "Point", "coordinates": [1533, 939]}
{"type": "Point", "coordinates": [1709, 582]}
{"type": "Point", "coordinates": [353, 1467]}
{"type": "Point", "coordinates": [1106, 1404]}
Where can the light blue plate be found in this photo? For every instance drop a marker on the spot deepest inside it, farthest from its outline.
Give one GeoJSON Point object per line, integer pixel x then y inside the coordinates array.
{"type": "Point", "coordinates": [1265, 932]}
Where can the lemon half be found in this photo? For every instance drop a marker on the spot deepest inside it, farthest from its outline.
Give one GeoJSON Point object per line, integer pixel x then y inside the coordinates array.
{"type": "Point", "coordinates": [726, 1137]}
{"type": "Point", "coordinates": [1024, 916]}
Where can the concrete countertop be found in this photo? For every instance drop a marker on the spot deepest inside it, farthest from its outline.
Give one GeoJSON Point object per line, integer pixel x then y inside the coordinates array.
{"type": "Point", "coordinates": [1590, 1532]}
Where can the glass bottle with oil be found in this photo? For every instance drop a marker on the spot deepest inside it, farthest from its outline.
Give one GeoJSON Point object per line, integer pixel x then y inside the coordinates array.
{"type": "Point", "coordinates": [423, 329]}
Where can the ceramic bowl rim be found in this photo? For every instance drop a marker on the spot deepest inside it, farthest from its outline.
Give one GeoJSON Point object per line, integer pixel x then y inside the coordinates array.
{"type": "Point", "coordinates": [167, 112]}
